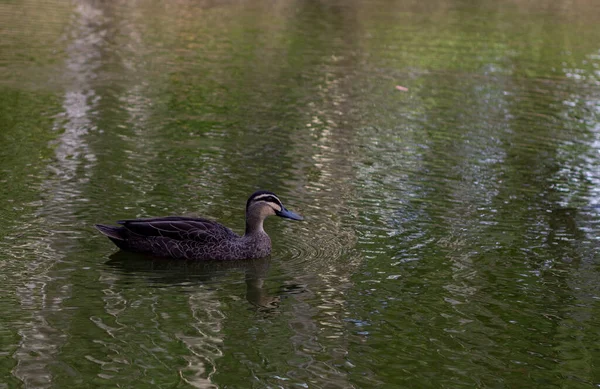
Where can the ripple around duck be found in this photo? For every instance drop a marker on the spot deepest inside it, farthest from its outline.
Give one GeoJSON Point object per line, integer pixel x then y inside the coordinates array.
{"type": "Point", "coordinates": [312, 251]}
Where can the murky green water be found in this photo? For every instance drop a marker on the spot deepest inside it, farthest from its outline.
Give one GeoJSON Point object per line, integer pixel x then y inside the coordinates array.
{"type": "Point", "coordinates": [451, 238]}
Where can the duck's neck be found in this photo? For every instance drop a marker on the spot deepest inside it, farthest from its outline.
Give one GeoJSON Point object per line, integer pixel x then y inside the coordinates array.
{"type": "Point", "coordinates": [254, 221]}
{"type": "Point", "coordinates": [254, 227]}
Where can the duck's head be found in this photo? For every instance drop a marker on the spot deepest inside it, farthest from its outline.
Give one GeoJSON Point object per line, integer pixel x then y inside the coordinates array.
{"type": "Point", "coordinates": [263, 204]}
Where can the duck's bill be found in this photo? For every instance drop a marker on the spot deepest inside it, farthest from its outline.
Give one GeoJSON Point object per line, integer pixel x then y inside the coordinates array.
{"type": "Point", "coordinates": [289, 214]}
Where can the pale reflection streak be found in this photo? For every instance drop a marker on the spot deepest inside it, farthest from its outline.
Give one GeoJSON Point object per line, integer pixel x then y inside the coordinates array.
{"type": "Point", "coordinates": [584, 280]}
{"type": "Point", "coordinates": [146, 114]}
{"type": "Point", "coordinates": [204, 345]}
{"type": "Point", "coordinates": [139, 109]}
{"type": "Point", "coordinates": [473, 196]}
{"type": "Point", "coordinates": [314, 327]}
{"type": "Point", "coordinates": [40, 341]}
{"type": "Point", "coordinates": [201, 336]}
{"type": "Point", "coordinates": [592, 171]}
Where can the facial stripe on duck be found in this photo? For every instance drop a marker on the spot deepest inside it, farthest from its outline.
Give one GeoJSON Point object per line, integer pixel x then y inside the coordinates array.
{"type": "Point", "coordinates": [266, 196]}
{"type": "Point", "coordinates": [259, 207]}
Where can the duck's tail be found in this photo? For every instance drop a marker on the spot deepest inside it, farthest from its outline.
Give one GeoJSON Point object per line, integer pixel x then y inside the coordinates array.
{"type": "Point", "coordinates": [118, 235]}
{"type": "Point", "coordinates": [112, 232]}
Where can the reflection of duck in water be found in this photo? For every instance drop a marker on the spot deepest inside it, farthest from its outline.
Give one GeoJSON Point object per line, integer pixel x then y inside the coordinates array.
{"type": "Point", "coordinates": [164, 271]}
{"type": "Point", "coordinates": [199, 238]}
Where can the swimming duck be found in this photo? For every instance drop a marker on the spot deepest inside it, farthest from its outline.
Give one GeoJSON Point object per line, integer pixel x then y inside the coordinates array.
{"type": "Point", "coordinates": [198, 238]}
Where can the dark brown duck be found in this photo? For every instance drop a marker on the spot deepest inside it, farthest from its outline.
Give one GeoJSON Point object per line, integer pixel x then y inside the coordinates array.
{"type": "Point", "coordinates": [198, 238]}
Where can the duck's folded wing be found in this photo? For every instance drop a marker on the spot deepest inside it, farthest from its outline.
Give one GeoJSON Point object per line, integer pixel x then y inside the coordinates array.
{"type": "Point", "coordinates": [179, 228]}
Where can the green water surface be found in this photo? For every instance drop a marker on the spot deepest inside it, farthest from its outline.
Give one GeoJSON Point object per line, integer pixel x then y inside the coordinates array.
{"type": "Point", "coordinates": [445, 154]}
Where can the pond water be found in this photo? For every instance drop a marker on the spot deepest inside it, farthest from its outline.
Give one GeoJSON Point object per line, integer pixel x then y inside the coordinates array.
{"type": "Point", "coordinates": [445, 154]}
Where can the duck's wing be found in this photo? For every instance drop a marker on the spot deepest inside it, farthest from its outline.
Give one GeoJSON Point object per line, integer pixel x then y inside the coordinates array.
{"type": "Point", "coordinates": [179, 228]}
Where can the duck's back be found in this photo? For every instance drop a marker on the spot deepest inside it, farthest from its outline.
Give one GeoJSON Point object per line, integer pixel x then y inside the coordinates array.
{"type": "Point", "coordinates": [178, 237]}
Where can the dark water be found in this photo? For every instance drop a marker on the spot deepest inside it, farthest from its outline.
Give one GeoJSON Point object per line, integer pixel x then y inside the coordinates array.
{"type": "Point", "coordinates": [451, 238]}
